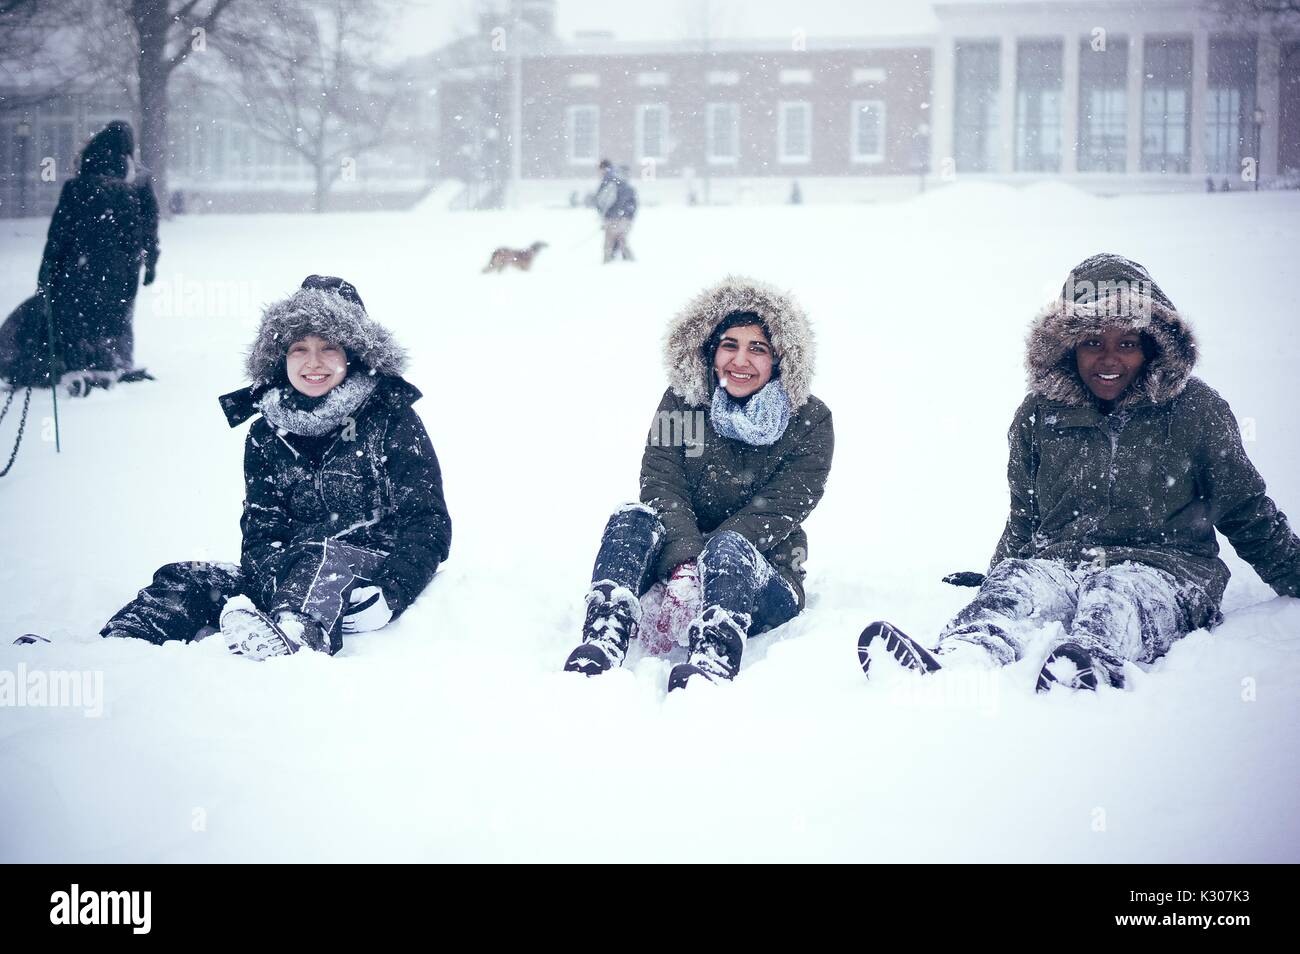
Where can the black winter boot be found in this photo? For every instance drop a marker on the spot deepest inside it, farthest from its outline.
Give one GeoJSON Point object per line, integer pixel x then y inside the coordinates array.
{"type": "Point", "coordinates": [613, 614]}
{"type": "Point", "coordinates": [305, 632]}
{"type": "Point", "coordinates": [1088, 672]}
{"type": "Point", "coordinates": [909, 653]}
{"type": "Point", "coordinates": [717, 643]}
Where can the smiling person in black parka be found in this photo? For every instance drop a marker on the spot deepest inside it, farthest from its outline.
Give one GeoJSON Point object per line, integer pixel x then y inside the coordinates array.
{"type": "Point", "coordinates": [344, 519]}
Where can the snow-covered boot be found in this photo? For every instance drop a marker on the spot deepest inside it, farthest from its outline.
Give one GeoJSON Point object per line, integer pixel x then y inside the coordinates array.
{"type": "Point", "coordinates": [1085, 674]}
{"type": "Point", "coordinates": [717, 643]}
{"type": "Point", "coordinates": [27, 639]}
{"type": "Point", "coordinates": [250, 632]}
{"type": "Point", "coordinates": [909, 653]}
{"type": "Point", "coordinates": [304, 632]}
{"type": "Point", "coordinates": [613, 614]}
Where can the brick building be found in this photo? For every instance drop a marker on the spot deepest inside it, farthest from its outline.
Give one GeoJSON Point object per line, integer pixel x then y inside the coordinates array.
{"type": "Point", "coordinates": [1110, 93]}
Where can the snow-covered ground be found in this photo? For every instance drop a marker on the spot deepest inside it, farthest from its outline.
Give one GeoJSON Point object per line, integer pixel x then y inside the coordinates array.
{"type": "Point", "coordinates": [453, 734]}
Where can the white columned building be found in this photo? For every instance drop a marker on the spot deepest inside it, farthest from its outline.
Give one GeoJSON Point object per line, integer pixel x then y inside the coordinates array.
{"type": "Point", "coordinates": [1175, 102]}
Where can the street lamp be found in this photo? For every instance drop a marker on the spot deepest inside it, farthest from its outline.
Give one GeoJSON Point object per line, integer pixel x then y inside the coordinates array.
{"type": "Point", "coordinates": [23, 133]}
{"type": "Point", "coordinates": [1259, 160]}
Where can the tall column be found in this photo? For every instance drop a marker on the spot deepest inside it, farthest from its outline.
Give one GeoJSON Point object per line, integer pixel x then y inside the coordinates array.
{"type": "Point", "coordinates": [1070, 105]}
{"type": "Point", "coordinates": [1133, 104]}
{"type": "Point", "coordinates": [1007, 105]}
{"type": "Point", "coordinates": [1268, 65]}
{"type": "Point", "coordinates": [943, 103]}
{"type": "Point", "coordinates": [1200, 97]}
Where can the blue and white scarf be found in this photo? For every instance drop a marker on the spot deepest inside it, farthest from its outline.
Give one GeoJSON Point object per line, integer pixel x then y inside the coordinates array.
{"type": "Point", "coordinates": [761, 420]}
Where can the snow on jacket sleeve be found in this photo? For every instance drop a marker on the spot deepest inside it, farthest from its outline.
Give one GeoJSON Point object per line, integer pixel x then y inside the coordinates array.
{"type": "Point", "coordinates": [1021, 466]}
{"type": "Point", "coordinates": [423, 524]}
{"type": "Point", "coordinates": [1243, 511]}
{"type": "Point", "coordinates": [606, 196]}
{"type": "Point", "coordinates": [781, 505]}
{"type": "Point", "coordinates": [665, 488]}
{"type": "Point", "coordinates": [265, 523]}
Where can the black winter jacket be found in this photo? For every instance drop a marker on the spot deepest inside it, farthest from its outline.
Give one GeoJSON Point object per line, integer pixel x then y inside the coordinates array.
{"type": "Point", "coordinates": [377, 485]}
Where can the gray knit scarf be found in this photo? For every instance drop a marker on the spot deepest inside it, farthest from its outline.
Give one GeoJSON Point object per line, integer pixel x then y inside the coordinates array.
{"type": "Point", "coordinates": [761, 420]}
{"type": "Point", "coordinates": [289, 410]}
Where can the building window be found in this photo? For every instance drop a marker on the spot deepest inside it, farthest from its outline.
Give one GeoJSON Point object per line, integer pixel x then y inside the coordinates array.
{"type": "Point", "coordinates": [975, 130]}
{"type": "Point", "coordinates": [1166, 105]}
{"type": "Point", "coordinates": [791, 77]}
{"type": "Point", "coordinates": [583, 124]}
{"type": "Point", "coordinates": [868, 74]}
{"type": "Point", "coordinates": [1038, 106]}
{"type": "Point", "coordinates": [723, 78]}
{"type": "Point", "coordinates": [1103, 105]}
{"type": "Point", "coordinates": [584, 80]}
{"type": "Point", "coordinates": [722, 122]}
{"type": "Point", "coordinates": [652, 132]}
{"type": "Point", "coordinates": [652, 79]}
{"type": "Point", "coordinates": [794, 132]}
{"type": "Point", "coordinates": [1230, 104]}
{"type": "Point", "coordinates": [868, 130]}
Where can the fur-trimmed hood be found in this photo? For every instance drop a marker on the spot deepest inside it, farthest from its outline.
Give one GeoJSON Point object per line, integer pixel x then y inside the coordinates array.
{"type": "Point", "coordinates": [792, 339]}
{"type": "Point", "coordinates": [1109, 291]}
{"type": "Point", "coordinates": [315, 311]}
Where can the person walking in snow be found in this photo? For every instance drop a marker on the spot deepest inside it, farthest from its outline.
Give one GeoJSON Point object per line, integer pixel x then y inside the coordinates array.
{"type": "Point", "coordinates": [1122, 466]}
{"type": "Point", "coordinates": [736, 460]}
{"type": "Point", "coordinates": [344, 520]}
{"type": "Point", "coordinates": [103, 229]}
{"type": "Point", "coordinates": [616, 201]}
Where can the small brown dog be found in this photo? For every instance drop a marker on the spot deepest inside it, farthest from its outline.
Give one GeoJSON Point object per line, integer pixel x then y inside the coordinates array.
{"type": "Point", "coordinates": [520, 258]}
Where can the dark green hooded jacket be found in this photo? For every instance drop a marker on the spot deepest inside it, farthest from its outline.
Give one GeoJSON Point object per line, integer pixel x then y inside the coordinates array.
{"type": "Point", "coordinates": [701, 483]}
{"type": "Point", "coordinates": [1150, 481]}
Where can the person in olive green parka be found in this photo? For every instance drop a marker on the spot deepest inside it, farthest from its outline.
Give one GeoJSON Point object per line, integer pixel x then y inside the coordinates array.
{"type": "Point", "coordinates": [1122, 465]}
{"type": "Point", "coordinates": [736, 459]}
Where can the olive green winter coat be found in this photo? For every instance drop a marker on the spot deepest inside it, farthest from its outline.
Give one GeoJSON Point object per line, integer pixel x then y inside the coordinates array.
{"type": "Point", "coordinates": [701, 483]}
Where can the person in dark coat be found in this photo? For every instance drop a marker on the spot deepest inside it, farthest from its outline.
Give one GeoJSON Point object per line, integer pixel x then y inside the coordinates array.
{"type": "Point", "coordinates": [616, 201]}
{"type": "Point", "coordinates": [103, 229]}
{"type": "Point", "coordinates": [736, 459]}
{"type": "Point", "coordinates": [344, 520]}
{"type": "Point", "coordinates": [1122, 466]}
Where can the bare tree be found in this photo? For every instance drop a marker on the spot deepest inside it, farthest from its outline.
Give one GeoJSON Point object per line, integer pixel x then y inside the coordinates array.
{"type": "Point", "coordinates": [308, 81]}
{"type": "Point", "coordinates": [33, 33]}
{"type": "Point", "coordinates": [165, 33]}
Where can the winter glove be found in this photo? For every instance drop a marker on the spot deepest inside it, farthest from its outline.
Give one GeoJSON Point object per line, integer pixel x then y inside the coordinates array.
{"type": "Point", "coordinates": [669, 609]}
{"type": "Point", "coordinates": [149, 275]}
{"type": "Point", "coordinates": [369, 610]}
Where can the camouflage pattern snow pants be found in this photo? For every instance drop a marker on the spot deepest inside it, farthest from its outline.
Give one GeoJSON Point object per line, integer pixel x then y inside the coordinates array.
{"type": "Point", "coordinates": [185, 599]}
{"type": "Point", "coordinates": [1128, 611]}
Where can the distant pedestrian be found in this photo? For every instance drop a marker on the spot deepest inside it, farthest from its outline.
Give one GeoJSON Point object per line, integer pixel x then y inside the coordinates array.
{"type": "Point", "coordinates": [616, 202]}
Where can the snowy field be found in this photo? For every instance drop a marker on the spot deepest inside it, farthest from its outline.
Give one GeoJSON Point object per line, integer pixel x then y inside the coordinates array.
{"type": "Point", "coordinates": [454, 736]}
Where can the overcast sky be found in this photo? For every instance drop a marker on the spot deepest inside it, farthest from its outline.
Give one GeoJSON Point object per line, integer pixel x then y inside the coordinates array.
{"type": "Point", "coordinates": [428, 24]}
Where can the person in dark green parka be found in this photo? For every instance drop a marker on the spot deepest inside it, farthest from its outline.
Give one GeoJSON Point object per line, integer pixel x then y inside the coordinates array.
{"type": "Point", "coordinates": [736, 459]}
{"type": "Point", "coordinates": [1122, 466]}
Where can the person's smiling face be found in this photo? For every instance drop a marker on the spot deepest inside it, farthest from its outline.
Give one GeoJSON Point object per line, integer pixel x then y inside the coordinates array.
{"type": "Point", "coordinates": [743, 362]}
{"type": "Point", "coordinates": [1110, 361]}
{"type": "Point", "coordinates": [315, 366]}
